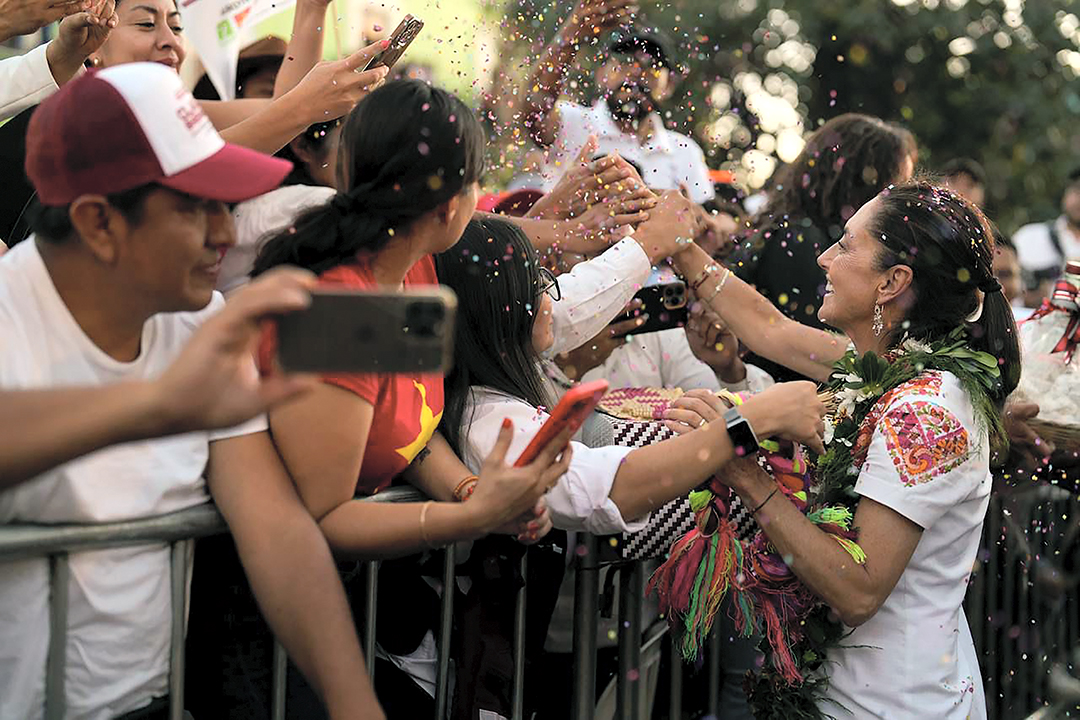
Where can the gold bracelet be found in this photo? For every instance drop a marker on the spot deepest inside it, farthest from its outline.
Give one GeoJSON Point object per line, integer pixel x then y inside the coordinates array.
{"type": "Point", "coordinates": [719, 286]}
{"type": "Point", "coordinates": [423, 524]}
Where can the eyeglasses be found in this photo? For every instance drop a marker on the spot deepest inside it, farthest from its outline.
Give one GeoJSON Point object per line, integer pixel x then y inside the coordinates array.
{"type": "Point", "coordinates": [549, 284]}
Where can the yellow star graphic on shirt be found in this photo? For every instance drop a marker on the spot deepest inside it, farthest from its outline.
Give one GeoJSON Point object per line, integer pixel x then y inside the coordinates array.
{"type": "Point", "coordinates": [428, 422]}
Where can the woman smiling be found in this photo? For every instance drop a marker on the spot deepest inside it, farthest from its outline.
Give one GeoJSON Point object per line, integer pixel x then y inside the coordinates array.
{"type": "Point", "coordinates": [882, 545]}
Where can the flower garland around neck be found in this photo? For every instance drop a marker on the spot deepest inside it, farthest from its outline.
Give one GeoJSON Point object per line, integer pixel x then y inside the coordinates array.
{"type": "Point", "coordinates": [768, 599]}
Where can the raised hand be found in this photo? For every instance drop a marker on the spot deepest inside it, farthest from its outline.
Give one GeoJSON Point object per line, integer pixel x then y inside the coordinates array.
{"type": "Point", "coordinates": [595, 17]}
{"type": "Point", "coordinates": [713, 343]}
{"type": "Point", "coordinates": [610, 179]}
{"type": "Point", "coordinates": [504, 493]}
{"type": "Point", "coordinates": [331, 89]}
{"type": "Point", "coordinates": [22, 17]}
{"type": "Point", "coordinates": [214, 383]}
{"type": "Point", "coordinates": [671, 228]}
{"type": "Point", "coordinates": [79, 36]}
{"type": "Point", "coordinates": [694, 410]}
{"type": "Point", "coordinates": [595, 352]}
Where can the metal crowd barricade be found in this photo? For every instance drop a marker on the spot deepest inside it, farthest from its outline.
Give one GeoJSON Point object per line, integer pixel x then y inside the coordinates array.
{"type": "Point", "coordinates": [179, 531]}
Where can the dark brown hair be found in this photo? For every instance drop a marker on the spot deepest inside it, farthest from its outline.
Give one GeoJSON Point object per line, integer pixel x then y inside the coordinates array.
{"type": "Point", "coordinates": [846, 162]}
{"type": "Point", "coordinates": [949, 246]}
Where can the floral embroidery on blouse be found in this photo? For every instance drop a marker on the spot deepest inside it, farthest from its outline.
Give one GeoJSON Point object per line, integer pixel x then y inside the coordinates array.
{"type": "Point", "coordinates": [924, 441]}
{"type": "Point", "coordinates": [929, 383]}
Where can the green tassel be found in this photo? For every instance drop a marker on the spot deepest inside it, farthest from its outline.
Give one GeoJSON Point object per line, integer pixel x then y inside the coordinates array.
{"type": "Point", "coordinates": [700, 499]}
{"type": "Point", "coordinates": [835, 515]}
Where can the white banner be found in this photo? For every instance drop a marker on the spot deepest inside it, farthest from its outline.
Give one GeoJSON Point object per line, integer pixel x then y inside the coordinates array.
{"type": "Point", "coordinates": [214, 29]}
{"type": "Point", "coordinates": [263, 9]}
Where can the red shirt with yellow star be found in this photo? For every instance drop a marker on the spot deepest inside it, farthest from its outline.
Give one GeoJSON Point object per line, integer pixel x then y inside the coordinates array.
{"type": "Point", "coordinates": [408, 406]}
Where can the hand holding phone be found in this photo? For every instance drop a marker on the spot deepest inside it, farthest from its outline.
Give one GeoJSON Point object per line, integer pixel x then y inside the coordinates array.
{"type": "Point", "coordinates": [353, 331]}
{"type": "Point", "coordinates": [571, 412]}
{"type": "Point", "coordinates": [400, 39]}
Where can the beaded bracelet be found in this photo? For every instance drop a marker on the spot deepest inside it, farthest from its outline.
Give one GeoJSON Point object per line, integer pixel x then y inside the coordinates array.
{"type": "Point", "coordinates": [465, 488]}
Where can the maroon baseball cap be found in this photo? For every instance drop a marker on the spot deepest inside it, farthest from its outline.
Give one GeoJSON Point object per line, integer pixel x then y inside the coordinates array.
{"type": "Point", "coordinates": [127, 126]}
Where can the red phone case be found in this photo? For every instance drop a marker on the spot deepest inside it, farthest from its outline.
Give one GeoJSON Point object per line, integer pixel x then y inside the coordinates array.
{"type": "Point", "coordinates": [571, 412]}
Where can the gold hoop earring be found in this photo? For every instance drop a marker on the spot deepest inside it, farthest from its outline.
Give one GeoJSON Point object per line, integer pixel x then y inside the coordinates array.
{"type": "Point", "coordinates": [879, 321]}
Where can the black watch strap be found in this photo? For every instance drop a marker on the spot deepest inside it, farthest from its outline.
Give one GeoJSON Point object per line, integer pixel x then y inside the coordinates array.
{"type": "Point", "coordinates": [741, 434]}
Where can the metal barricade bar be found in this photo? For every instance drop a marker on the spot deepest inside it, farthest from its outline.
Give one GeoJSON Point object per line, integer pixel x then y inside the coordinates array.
{"type": "Point", "coordinates": [180, 529]}
{"type": "Point", "coordinates": [629, 681]}
{"type": "Point", "coordinates": [586, 599]}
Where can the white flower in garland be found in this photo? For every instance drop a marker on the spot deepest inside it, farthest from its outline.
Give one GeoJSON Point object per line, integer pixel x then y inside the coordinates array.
{"type": "Point", "coordinates": [830, 431]}
{"type": "Point", "coordinates": [911, 345]}
{"type": "Point", "coordinates": [848, 398]}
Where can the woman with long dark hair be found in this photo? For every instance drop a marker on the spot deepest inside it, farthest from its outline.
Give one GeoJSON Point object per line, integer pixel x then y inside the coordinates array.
{"type": "Point", "coordinates": [860, 582]}
{"type": "Point", "coordinates": [845, 163]}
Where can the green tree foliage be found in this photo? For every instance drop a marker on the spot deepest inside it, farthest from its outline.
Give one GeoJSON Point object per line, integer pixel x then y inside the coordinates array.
{"type": "Point", "coordinates": [995, 80]}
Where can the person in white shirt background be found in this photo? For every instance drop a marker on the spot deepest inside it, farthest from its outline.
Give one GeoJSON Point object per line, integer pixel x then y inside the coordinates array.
{"type": "Point", "coordinates": [121, 272]}
{"type": "Point", "coordinates": [1044, 247]}
{"type": "Point", "coordinates": [634, 79]}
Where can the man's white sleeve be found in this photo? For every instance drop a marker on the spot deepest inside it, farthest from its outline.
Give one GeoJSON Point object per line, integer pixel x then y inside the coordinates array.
{"type": "Point", "coordinates": [25, 80]}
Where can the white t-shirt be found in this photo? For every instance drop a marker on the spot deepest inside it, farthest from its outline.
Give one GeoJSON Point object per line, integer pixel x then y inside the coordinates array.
{"type": "Point", "coordinates": [915, 659]}
{"type": "Point", "coordinates": [119, 603]}
{"type": "Point", "coordinates": [667, 160]}
{"type": "Point", "coordinates": [1035, 249]}
{"type": "Point", "coordinates": [579, 501]}
{"type": "Point", "coordinates": [257, 219]}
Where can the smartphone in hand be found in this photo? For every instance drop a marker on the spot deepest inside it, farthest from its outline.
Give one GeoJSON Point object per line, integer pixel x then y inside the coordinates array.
{"type": "Point", "coordinates": [359, 331]}
{"type": "Point", "coordinates": [665, 305]}
{"type": "Point", "coordinates": [400, 39]}
{"type": "Point", "coordinates": [571, 412]}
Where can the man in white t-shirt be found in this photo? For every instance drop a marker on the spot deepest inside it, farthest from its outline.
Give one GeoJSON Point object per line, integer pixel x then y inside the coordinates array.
{"type": "Point", "coordinates": [1043, 248]}
{"type": "Point", "coordinates": [635, 78]}
{"type": "Point", "coordinates": [133, 181]}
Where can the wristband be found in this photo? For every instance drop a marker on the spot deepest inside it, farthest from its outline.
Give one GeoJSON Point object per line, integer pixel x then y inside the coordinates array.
{"type": "Point", "coordinates": [758, 508]}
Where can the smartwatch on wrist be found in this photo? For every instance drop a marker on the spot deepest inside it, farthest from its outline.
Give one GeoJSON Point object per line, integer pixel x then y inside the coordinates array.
{"type": "Point", "coordinates": [741, 434]}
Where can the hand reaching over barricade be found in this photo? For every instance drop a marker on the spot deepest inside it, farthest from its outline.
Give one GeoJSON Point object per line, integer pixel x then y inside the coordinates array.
{"type": "Point", "coordinates": [714, 344]}
{"type": "Point", "coordinates": [587, 183]}
{"type": "Point", "coordinates": [671, 228]}
{"type": "Point", "coordinates": [331, 89]}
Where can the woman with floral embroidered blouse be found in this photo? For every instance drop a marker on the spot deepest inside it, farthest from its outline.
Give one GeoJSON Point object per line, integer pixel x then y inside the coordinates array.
{"type": "Point", "coordinates": [858, 582]}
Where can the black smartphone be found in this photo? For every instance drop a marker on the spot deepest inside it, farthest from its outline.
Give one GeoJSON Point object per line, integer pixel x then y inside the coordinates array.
{"type": "Point", "coordinates": [403, 35]}
{"type": "Point", "coordinates": [665, 305]}
{"type": "Point", "coordinates": [345, 331]}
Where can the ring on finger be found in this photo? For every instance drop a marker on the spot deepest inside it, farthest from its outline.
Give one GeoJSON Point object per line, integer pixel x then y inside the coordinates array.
{"type": "Point", "coordinates": [703, 423]}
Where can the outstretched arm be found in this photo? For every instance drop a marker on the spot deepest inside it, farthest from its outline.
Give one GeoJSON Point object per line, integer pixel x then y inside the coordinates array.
{"type": "Point", "coordinates": [305, 46]}
{"type": "Point", "coordinates": [757, 322]}
{"type": "Point", "coordinates": [855, 591]}
{"type": "Point", "coordinates": [211, 385]}
{"type": "Point", "coordinates": [590, 19]}
{"type": "Point", "coordinates": [291, 571]}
